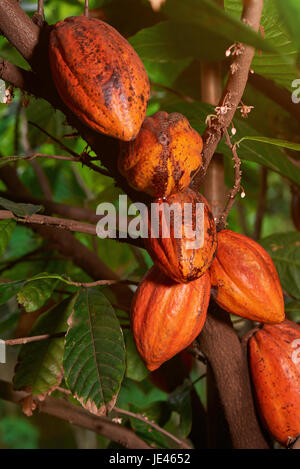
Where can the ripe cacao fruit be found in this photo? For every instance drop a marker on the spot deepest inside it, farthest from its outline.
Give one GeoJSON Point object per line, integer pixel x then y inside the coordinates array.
{"type": "Point", "coordinates": [186, 258]}
{"type": "Point", "coordinates": [274, 354]}
{"type": "Point", "coordinates": [167, 316]}
{"type": "Point", "coordinates": [172, 373]}
{"type": "Point", "coordinates": [99, 76]}
{"type": "Point", "coordinates": [163, 157]}
{"type": "Point", "coordinates": [245, 280]}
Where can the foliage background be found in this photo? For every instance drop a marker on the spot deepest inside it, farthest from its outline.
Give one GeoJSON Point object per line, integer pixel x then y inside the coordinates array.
{"type": "Point", "coordinates": [171, 44]}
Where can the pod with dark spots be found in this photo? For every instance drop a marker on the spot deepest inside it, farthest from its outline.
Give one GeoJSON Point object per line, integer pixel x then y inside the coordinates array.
{"type": "Point", "coordinates": [187, 257]}
{"type": "Point", "coordinates": [274, 355]}
{"type": "Point", "coordinates": [167, 316]}
{"type": "Point", "coordinates": [99, 76]}
{"type": "Point", "coordinates": [163, 157]}
{"type": "Point", "coordinates": [245, 280]}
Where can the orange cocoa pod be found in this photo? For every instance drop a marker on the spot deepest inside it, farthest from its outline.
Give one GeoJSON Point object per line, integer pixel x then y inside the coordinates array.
{"type": "Point", "coordinates": [99, 76]}
{"type": "Point", "coordinates": [182, 259]}
{"type": "Point", "coordinates": [274, 355]}
{"type": "Point", "coordinates": [163, 157]}
{"type": "Point", "coordinates": [167, 316]}
{"type": "Point", "coordinates": [245, 280]}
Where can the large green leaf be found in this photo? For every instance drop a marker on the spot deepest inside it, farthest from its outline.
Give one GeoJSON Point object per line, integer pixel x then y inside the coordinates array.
{"type": "Point", "coordinates": [36, 292]}
{"type": "Point", "coordinates": [278, 65]}
{"type": "Point", "coordinates": [94, 357]}
{"type": "Point", "coordinates": [290, 12]}
{"type": "Point", "coordinates": [39, 368]}
{"type": "Point", "coordinates": [210, 16]}
{"type": "Point", "coordinates": [135, 368]}
{"type": "Point", "coordinates": [6, 231]}
{"type": "Point", "coordinates": [285, 251]}
{"type": "Point", "coordinates": [21, 210]}
{"type": "Point", "coordinates": [172, 40]}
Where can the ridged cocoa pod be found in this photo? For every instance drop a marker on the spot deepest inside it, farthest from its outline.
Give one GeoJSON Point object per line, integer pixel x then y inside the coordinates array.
{"type": "Point", "coordinates": [99, 76]}
{"type": "Point", "coordinates": [163, 157]}
{"type": "Point", "coordinates": [245, 279]}
{"type": "Point", "coordinates": [274, 354]}
{"type": "Point", "coordinates": [167, 316]}
{"type": "Point", "coordinates": [295, 208]}
{"type": "Point", "coordinates": [175, 256]}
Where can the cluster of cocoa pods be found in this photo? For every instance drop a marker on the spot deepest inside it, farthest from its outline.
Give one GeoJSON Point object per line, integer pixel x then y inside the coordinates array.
{"type": "Point", "coordinates": [103, 81]}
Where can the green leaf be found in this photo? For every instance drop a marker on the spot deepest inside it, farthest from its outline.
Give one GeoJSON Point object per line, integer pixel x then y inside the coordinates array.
{"type": "Point", "coordinates": [273, 141]}
{"type": "Point", "coordinates": [285, 251]}
{"type": "Point", "coordinates": [94, 357]}
{"type": "Point", "coordinates": [135, 368]}
{"type": "Point", "coordinates": [6, 231]}
{"type": "Point", "coordinates": [290, 13]}
{"type": "Point", "coordinates": [180, 401]}
{"type": "Point", "coordinates": [158, 412]}
{"type": "Point", "coordinates": [39, 367]}
{"type": "Point", "coordinates": [293, 311]}
{"type": "Point", "coordinates": [20, 210]}
{"type": "Point", "coordinates": [172, 40]}
{"type": "Point", "coordinates": [8, 290]}
{"type": "Point", "coordinates": [36, 292]}
{"type": "Point", "coordinates": [279, 65]}
{"type": "Point", "coordinates": [210, 16]}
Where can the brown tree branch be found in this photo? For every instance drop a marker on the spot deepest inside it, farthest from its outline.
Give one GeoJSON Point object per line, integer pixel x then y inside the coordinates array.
{"type": "Point", "coordinates": [75, 415]}
{"type": "Point", "coordinates": [68, 225]}
{"type": "Point", "coordinates": [67, 244]}
{"type": "Point", "coordinates": [145, 420]}
{"type": "Point", "coordinates": [221, 224]}
{"type": "Point", "coordinates": [222, 348]}
{"type": "Point", "coordinates": [234, 90]}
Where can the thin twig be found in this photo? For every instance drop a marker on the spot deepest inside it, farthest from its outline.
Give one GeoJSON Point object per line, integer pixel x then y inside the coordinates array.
{"type": "Point", "coordinates": [84, 158]}
{"type": "Point", "coordinates": [56, 140]}
{"type": "Point", "coordinates": [40, 9]}
{"type": "Point", "coordinates": [15, 158]}
{"type": "Point", "coordinates": [140, 417]}
{"type": "Point", "coordinates": [64, 410]}
{"type": "Point", "coordinates": [36, 338]}
{"type": "Point", "coordinates": [234, 90]}
{"type": "Point", "coordinates": [86, 8]}
{"type": "Point", "coordinates": [100, 283]}
{"type": "Point", "coordinates": [237, 184]}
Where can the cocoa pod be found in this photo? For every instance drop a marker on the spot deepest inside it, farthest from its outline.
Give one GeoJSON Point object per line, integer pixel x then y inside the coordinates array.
{"type": "Point", "coordinates": [274, 355]}
{"type": "Point", "coordinates": [175, 256]}
{"type": "Point", "coordinates": [172, 373]}
{"type": "Point", "coordinates": [244, 279]}
{"type": "Point", "coordinates": [163, 157]}
{"type": "Point", "coordinates": [167, 316]}
{"type": "Point", "coordinates": [99, 76]}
